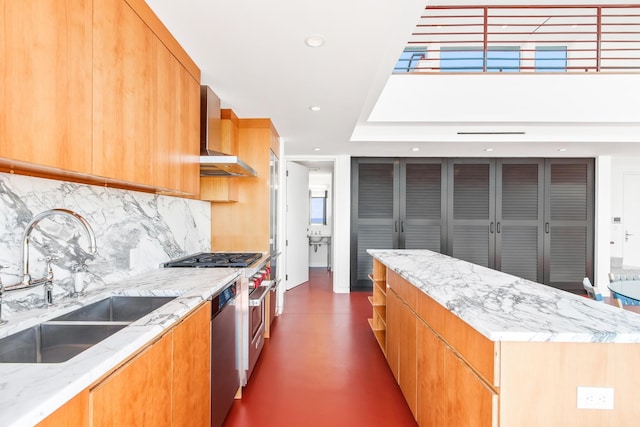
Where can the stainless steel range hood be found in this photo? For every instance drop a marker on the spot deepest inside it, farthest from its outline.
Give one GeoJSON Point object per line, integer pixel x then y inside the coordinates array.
{"type": "Point", "coordinates": [213, 162]}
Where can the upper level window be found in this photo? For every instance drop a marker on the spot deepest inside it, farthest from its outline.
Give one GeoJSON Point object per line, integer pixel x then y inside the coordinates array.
{"type": "Point", "coordinates": [409, 59]}
{"type": "Point", "coordinates": [471, 59]}
{"type": "Point", "coordinates": [503, 59]}
{"type": "Point", "coordinates": [460, 59]}
{"type": "Point", "coordinates": [551, 58]}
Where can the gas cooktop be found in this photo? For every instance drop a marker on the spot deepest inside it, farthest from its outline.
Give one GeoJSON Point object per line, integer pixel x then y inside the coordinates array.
{"type": "Point", "coordinates": [215, 260]}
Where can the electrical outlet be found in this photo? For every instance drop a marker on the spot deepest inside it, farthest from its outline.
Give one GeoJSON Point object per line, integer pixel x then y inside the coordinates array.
{"type": "Point", "coordinates": [595, 397]}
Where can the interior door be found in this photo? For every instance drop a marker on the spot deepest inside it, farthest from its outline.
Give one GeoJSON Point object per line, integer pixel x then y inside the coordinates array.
{"type": "Point", "coordinates": [631, 220]}
{"type": "Point", "coordinates": [297, 219]}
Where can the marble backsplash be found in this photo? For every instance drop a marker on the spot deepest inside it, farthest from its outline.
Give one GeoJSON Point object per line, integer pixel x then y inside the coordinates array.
{"type": "Point", "coordinates": [135, 232]}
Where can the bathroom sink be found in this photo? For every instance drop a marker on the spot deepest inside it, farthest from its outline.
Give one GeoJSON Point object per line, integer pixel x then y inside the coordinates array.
{"type": "Point", "coordinates": [52, 342]}
{"type": "Point", "coordinates": [317, 238]}
{"type": "Point", "coordinates": [116, 309]}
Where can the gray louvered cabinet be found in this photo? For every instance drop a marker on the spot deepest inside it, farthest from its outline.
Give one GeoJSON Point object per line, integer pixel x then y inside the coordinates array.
{"type": "Point", "coordinates": [472, 211]}
{"type": "Point", "coordinates": [396, 204]}
{"type": "Point", "coordinates": [533, 218]}
{"type": "Point", "coordinates": [569, 222]}
{"type": "Point", "coordinates": [520, 218]}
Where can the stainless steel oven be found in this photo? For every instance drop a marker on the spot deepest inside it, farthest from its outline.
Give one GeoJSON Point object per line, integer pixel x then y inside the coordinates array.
{"type": "Point", "coordinates": [257, 324]}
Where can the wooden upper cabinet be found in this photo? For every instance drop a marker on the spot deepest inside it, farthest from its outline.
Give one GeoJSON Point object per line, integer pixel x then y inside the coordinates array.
{"type": "Point", "coordinates": [45, 112]}
{"type": "Point", "coordinates": [146, 103]}
{"type": "Point", "coordinates": [124, 83]}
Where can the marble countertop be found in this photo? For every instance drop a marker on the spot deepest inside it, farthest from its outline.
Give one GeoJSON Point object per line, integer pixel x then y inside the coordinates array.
{"type": "Point", "coordinates": [503, 307]}
{"type": "Point", "coordinates": [30, 392]}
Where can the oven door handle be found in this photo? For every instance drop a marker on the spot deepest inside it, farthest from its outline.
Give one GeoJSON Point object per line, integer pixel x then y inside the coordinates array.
{"type": "Point", "coordinates": [258, 295]}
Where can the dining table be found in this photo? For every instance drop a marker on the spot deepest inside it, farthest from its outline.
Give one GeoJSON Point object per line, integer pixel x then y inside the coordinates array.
{"type": "Point", "coordinates": [626, 288]}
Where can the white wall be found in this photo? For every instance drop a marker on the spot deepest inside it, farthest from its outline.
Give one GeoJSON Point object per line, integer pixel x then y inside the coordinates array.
{"type": "Point", "coordinates": [619, 166]}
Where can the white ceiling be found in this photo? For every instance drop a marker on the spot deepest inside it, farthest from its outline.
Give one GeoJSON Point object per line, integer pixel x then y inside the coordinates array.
{"type": "Point", "coordinates": [252, 53]}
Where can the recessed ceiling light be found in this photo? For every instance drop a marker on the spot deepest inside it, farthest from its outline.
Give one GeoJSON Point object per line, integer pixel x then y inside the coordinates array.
{"type": "Point", "coordinates": [504, 26]}
{"type": "Point", "coordinates": [314, 108]}
{"type": "Point", "coordinates": [315, 40]}
{"type": "Point", "coordinates": [415, 149]}
{"type": "Point", "coordinates": [316, 149]}
{"type": "Point", "coordinates": [488, 149]}
{"type": "Point", "coordinates": [562, 150]}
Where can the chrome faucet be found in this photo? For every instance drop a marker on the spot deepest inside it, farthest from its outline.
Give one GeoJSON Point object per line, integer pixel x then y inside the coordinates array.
{"type": "Point", "coordinates": [26, 275]}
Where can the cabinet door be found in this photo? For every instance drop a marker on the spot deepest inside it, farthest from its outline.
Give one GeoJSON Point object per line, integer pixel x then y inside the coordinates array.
{"type": "Point", "coordinates": [520, 217]}
{"type": "Point", "coordinates": [569, 213]}
{"type": "Point", "coordinates": [74, 413]}
{"type": "Point", "coordinates": [469, 402]}
{"type": "Point", "coordinates": [189, 139]}
{"type": "Point", "coordinates": [472, 211]}
{"type": "Point", "coordinates": [124, 76]}
{"type": "Point", "coordinates": [46, 86]}
{"type": "Point", "coordinates": [393, 332]}
{"type": "Point", "coordinates": [422, 204]}
{"type": "Point", "coordinates": [407, 356]}
{"type": "Point", "coordinates": [192, 369]}
{"type": "Point", "coordinates": [430, 375]}
{"type": "Point", "coordinates": [375, 212]}
{"type": "Point", "coordinates": [139, 393]}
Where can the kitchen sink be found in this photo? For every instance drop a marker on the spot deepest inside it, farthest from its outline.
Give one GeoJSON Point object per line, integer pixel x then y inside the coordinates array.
{"type": "Point", "coordinates": [116, 309]}
{"type": "Point", "coordinates": [53, 342]}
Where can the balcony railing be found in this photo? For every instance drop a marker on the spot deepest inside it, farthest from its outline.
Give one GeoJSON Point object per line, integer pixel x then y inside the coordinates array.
{"type": "Point", "coordinates": [534, 38]}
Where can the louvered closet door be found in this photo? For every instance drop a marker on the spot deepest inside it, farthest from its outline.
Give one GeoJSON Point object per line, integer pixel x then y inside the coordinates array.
{"type": "Point", "coordinates": [375, 226]}
{"type": "Point", "coordinates": [472, 206]}
{"type": "Point", "coordinates": [520, 217]}
{"type": "Point", "coordinates": [569, 207]}
{"type": "Point", "coordinates": [422, 207]}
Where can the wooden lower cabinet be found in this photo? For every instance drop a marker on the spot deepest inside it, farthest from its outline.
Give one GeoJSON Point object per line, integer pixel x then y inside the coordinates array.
{"type": "Point", "coordinates": [191, 370]}
{"type": "Point", "coordinates": [167, 384]}
{"type": "Point", "coordinates": [74, 413]}
{"type": "Point", "coordinates": [430, 377]}
{"type": "Point", "coordinates": [138, 393]}
{"type": "Point", "coordinates": [468, 401]}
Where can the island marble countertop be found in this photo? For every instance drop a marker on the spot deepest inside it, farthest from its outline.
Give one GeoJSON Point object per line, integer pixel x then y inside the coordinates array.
{"type": "Point", "coordinates": [503, 307]}
{"type": "Point", "coordinates": [30, 392]}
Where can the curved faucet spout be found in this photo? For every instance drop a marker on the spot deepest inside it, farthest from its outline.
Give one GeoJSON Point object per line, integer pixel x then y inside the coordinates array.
{"type": "Point", "coordinates": [26, 280]}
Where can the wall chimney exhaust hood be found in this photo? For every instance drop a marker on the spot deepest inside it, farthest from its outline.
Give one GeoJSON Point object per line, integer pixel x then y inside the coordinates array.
{"type": "Point", "coordinates": [212, 161]}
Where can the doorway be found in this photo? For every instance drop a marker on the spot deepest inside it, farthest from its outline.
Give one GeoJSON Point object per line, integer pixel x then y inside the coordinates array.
{"type": "Point", "coordinates": [316, 228]}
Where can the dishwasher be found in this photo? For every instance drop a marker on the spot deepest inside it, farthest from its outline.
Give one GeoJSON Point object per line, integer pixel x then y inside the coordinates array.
{"type": "Point", "coordinates": [225, 379]}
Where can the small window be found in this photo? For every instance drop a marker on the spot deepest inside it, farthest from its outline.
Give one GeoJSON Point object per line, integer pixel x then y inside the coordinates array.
{"type": "Point", "coordinates": [551, 58]}
{"type": "Point", "coordinates": [409, 59]}
{"type": "Point", "coordinates": [503, 59]}
{"type": "Point", "coordinates": [461, 59]}
{"type": "Point", "coordinates": [318, 209]}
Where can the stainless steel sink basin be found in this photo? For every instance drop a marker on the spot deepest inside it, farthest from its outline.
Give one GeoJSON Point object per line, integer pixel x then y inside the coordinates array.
{"type": "Point", "coordinates": [52, 342]}
{"type": "Point", "coordinates": [116, 309]}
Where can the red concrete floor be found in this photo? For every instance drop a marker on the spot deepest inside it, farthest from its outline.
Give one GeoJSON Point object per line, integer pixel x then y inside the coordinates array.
{"type": "Point", "coordinates": [321, 366]}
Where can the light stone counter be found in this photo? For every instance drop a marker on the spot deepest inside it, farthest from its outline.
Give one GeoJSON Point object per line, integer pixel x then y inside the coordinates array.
{"type": "Point", "coordinates": [503, 307]}
{"type": "Point", "coordinates": [30, 392]}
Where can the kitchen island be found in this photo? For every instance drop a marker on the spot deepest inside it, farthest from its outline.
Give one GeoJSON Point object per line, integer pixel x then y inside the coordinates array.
{"type": "Point", "coordinates": [474, 346]}
{"type": "Point", "coordinates": [31, 392]}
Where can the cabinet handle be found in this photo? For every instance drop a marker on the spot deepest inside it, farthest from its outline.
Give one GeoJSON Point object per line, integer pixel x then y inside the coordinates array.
{"type": "Point", "coordinates": [498, 227]}
{"type": "Point", "coordinates": [491, 228]}
{"type": "Point", "coordinates": [546, 228]}
{"type": "Point", "coordinates": [402, 226]}
{"type": "Point", "coordinates": [396, 226]}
